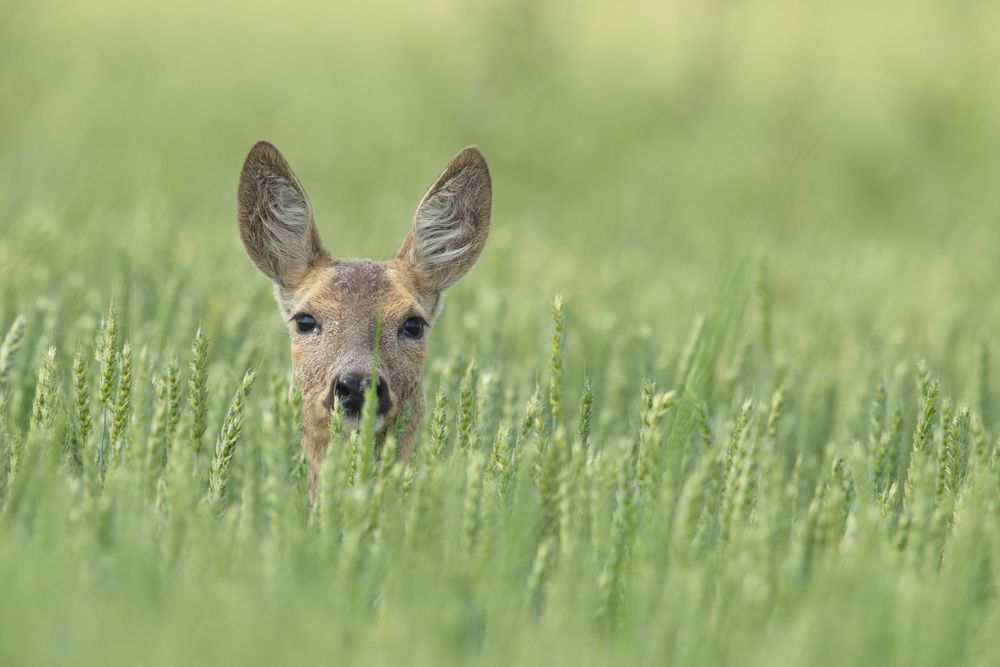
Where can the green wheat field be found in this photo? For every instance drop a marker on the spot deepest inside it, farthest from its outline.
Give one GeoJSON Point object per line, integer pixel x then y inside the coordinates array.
{"type": "Point", "coordinates": [723, 389]}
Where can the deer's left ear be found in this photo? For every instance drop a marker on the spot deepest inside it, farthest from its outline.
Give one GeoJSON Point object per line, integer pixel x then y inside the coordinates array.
{"type": "Point", "coordinates": [451, 223]}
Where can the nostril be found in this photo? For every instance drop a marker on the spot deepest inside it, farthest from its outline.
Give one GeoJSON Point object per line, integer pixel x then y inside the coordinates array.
{"type": "Point", "coordinates": [382, 394]}
{"type": "Point", "coordinates": [350, 391]}
{"type": "Point", "coordinates": [342, 389]}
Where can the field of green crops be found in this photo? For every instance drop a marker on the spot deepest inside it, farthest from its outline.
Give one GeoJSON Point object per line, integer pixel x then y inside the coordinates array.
{"type": "Point", "coordinates": [723, 389]}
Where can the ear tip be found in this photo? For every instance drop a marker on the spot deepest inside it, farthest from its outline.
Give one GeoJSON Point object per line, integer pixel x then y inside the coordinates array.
{"type": "Point", "coordinates": [472, 156]}
{"type": "Point", "coordinates": [263, 163]}
{"type": "Point", "coordinates": [264, 158]}
{"type": "Point", "coordinates": [262, 150]}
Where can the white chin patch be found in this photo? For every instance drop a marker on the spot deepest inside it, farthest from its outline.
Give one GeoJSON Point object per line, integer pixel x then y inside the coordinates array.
{"type": "Point", "coordinates": [353, 423]}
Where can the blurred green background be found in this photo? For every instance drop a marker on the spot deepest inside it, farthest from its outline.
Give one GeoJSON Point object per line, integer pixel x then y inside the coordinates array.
{"type": "Point", "coordinates": [638, 150]}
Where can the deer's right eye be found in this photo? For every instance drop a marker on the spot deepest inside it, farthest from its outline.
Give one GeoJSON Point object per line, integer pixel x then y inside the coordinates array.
{"type": "Point", "coordinates": [305, 323]}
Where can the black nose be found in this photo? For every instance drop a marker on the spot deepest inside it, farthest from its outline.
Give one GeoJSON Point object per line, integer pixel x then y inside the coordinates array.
{"type": "Point", "coordinates": [350, 391]}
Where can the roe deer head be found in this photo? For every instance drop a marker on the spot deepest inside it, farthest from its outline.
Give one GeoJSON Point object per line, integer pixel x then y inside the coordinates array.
{"type": "Point", "coordinates": [333, 307]}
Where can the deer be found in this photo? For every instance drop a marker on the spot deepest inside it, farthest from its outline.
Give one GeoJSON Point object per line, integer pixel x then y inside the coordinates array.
{"type": "Point", "coordinates": [333, 307]}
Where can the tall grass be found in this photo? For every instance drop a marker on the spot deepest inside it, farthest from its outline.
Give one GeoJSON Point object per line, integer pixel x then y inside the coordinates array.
{"type": "Point", "coordinates": [514, 542]}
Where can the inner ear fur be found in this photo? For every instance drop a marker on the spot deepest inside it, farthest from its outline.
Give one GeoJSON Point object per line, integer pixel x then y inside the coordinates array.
{"type": "Point", "coordinates": [452, 222]}
{"type": "Point", "coordinates": [275, 218]}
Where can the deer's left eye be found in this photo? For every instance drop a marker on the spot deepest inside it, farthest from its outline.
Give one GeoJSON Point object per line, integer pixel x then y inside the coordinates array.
{"type": "Point", "coordinates": [413, 328]}
{"type": "Point", "coordinates": [305, 323]}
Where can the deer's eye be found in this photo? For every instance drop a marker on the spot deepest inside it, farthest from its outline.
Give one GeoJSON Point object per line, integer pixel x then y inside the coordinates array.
{"type": "Point", "coordinates": [305, 323]}
{"type": "Point", "coordinates": [413, 328]}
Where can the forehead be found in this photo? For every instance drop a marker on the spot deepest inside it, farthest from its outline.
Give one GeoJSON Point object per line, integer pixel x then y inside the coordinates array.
{"type": "Point", "coordinates": [360, 279]}
{"type": "Point", "coordinates": [360, 285]}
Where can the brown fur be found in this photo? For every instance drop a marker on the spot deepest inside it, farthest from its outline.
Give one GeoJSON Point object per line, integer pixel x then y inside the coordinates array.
{"type": "Point", "coordinates": [348, 297]}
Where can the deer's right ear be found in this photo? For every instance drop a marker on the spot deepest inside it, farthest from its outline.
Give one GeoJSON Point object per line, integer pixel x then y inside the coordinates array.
{"type": "Point", "coordinates": [275, 218]}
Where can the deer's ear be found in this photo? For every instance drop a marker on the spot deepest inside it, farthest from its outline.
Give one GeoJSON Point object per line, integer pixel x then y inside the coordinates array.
{"type": "Point", "coordinates": [452, 221]}
{"type": "Point", "coordinates": [275, 218]}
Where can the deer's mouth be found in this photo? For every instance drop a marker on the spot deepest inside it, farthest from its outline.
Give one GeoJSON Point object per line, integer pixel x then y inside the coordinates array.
{"type": "Point", "coordinates": [353, 422]}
